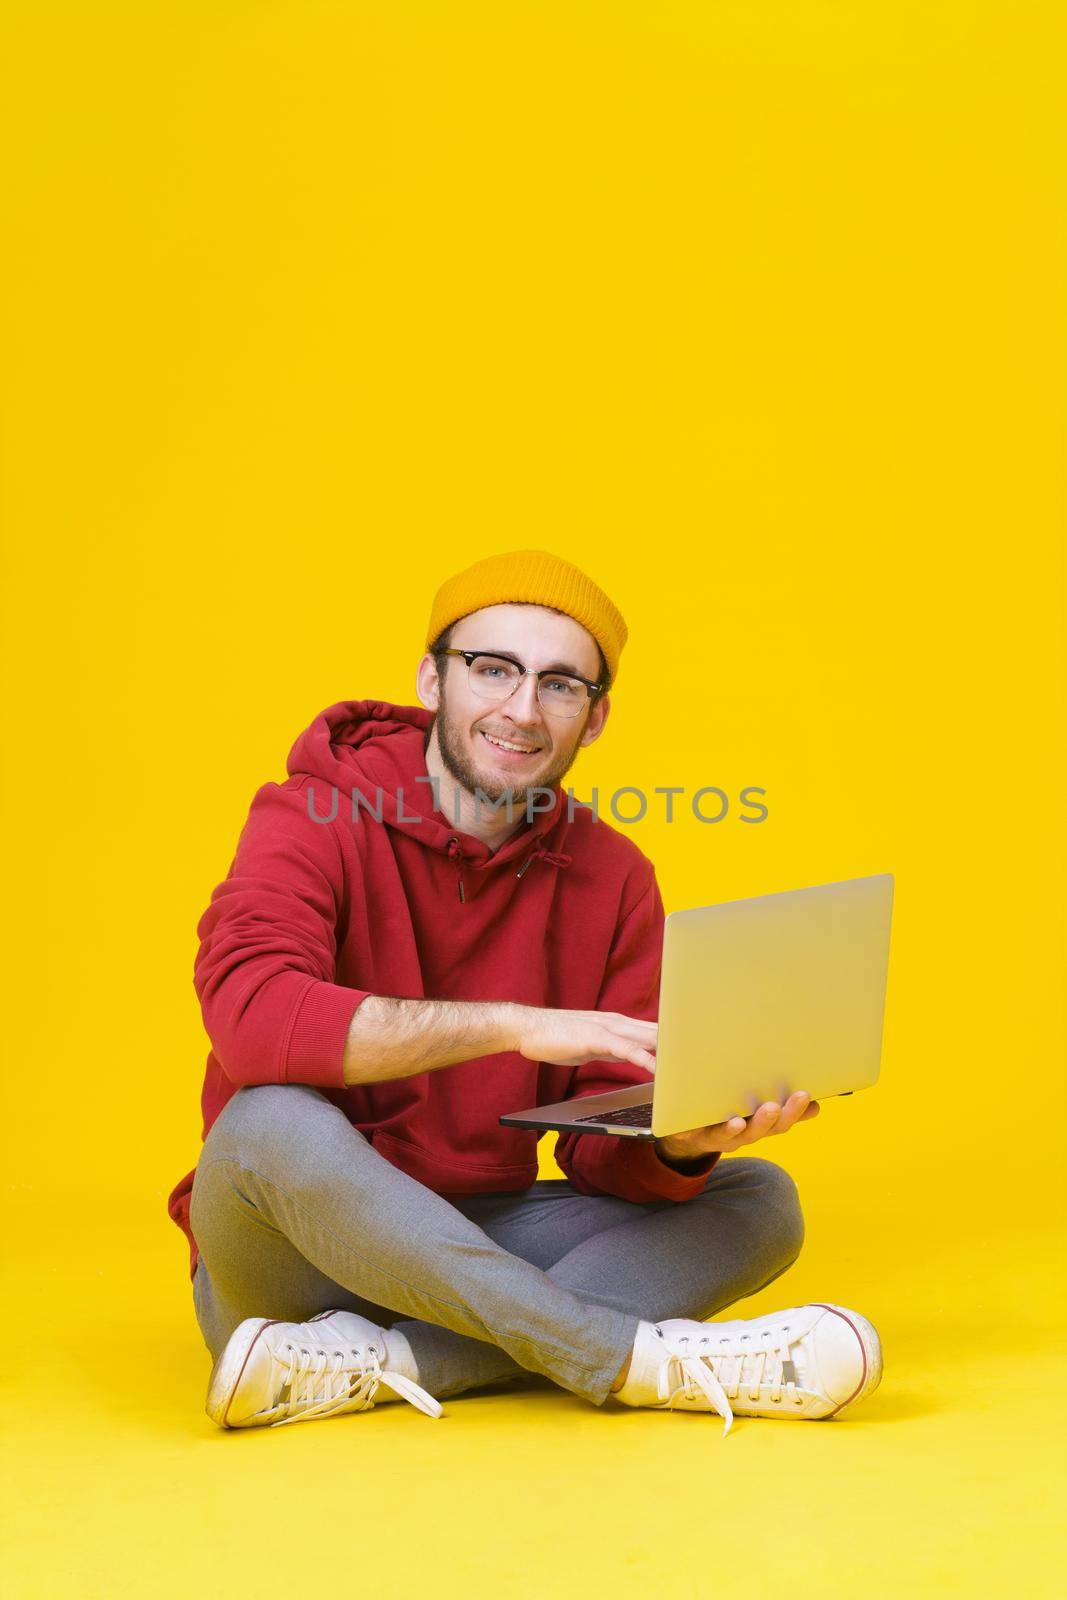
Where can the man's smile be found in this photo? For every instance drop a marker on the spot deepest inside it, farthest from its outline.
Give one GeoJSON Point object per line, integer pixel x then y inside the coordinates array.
{"type": "Point", "coordinates": [510, 750]}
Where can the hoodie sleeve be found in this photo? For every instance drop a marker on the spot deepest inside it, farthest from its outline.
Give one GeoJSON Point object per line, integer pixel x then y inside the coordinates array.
{"type": "Point", "coordinates": [596, 1163]}
{"type": "Point", "coordinates": [265, 969]}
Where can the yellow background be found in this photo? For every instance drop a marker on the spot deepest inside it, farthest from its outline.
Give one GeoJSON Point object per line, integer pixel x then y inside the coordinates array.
{"type": "Point", "coordinates": [756, 312]}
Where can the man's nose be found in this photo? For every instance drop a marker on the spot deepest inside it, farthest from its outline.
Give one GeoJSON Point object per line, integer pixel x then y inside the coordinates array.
{"type": "Point", "coordinates": [523, 701]}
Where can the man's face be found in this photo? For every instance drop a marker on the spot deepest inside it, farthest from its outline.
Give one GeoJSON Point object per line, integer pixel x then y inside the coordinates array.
{"type": "Point", "coordinates": [466, 723]}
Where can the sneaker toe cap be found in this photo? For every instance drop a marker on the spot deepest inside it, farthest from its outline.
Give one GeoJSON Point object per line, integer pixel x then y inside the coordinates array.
{"type": "Point", "coordinates": [242, 1381]}
{"type": "Point", "coordinates": [849, 1357]}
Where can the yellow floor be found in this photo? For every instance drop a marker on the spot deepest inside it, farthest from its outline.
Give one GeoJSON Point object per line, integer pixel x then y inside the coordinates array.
{"type": "Point", "coordinates": [945, 1482]}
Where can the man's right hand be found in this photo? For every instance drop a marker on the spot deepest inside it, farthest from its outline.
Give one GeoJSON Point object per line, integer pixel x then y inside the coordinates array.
{"type": "Point", "coordinates": [570, 1038]}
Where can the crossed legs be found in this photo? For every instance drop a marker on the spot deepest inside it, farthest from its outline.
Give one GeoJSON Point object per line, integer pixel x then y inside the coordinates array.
{"type": "Point", "coordinates": [295, 1213]}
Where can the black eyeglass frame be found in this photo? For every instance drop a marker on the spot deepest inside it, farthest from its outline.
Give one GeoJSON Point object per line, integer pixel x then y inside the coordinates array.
{"type": "Point", "coordinates": [544, 672]}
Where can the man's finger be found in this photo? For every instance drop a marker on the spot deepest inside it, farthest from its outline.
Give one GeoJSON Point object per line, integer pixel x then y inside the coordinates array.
{"type": "Point", "coordinates": [729, 1131]}
{"type": "Point", "coordinates": [792, 1111]}
{"type": "Point", "coordinates": [760, 1123]}
{"type": "Point", "coordinates": [624, 1050]}
{"type": "Point", "coordinates": [632, 1027]}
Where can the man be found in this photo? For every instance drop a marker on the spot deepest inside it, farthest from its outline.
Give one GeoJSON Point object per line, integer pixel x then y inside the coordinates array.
{"type": "Point", "coordinates": [392, 962]}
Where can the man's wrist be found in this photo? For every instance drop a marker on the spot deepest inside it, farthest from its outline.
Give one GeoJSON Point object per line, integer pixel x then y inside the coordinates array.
{"type": "Point", "coordinates": [686, 1165]}
{"type": "Point", "coordinates": [510, 1020]}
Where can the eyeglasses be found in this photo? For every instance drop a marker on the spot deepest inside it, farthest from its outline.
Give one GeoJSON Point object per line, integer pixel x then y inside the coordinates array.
{"type": "Point", "coordinates": [497, 678]}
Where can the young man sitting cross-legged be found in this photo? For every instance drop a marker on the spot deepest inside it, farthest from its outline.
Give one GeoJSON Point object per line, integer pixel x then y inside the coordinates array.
{"type": "Point", "coordinates": [361, 1226]}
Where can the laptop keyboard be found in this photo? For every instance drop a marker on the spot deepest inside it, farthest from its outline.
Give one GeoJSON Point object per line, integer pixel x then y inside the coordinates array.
{"type": "Point", "coordinates": [629, 1116]}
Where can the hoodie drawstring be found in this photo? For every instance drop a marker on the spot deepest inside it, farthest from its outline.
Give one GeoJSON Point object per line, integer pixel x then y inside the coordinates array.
{"type": "Point", "coordinates": [555, 858]}
{"type": "Point", "coordinates": [456, 854]}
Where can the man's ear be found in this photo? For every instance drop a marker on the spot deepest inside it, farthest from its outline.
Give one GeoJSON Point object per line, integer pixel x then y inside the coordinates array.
{"type": "Point", "coordinates": [428, 684]}
{"type": "Point", "coordinates": [597, 718]}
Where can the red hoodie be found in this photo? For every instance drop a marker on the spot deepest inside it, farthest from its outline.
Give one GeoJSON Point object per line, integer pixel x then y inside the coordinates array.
{"type": "Point", "coordinates": [314, 915]}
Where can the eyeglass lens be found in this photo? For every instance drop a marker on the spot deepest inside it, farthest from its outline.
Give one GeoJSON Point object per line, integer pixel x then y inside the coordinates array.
{"type": "Point", "coordinates": [495, 678]}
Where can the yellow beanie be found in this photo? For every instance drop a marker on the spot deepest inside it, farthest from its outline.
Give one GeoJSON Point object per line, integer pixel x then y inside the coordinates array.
{"type": "Point", "coordinates": [538, 577]}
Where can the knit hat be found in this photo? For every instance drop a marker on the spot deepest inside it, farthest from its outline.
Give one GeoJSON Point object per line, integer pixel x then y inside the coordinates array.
{"type": "Point", "coordinates": [538, 577]}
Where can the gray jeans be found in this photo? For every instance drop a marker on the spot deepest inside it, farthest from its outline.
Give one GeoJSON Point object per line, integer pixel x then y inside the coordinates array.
{"type": "Point", "coordinates": [295, 1212]}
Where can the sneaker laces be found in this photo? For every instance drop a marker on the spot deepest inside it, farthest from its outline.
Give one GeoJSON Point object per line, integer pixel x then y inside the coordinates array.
{"type": "Point", "coordinates": [348, 1378]}
{"type": "Point", "coordinates": [722, 1373]}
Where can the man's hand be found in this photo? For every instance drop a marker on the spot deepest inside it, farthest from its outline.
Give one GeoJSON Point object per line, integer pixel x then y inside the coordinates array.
{"type": "Point", "coordinates": [734, 1134]}
{"type": "Point", "coordinates": [571, 1038]}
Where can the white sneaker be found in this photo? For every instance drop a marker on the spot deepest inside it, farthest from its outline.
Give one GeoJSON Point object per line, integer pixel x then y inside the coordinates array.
{"type": "Point", "coordinates": [278, 1372]}
{"type": "Point", "coordinates": [807, 1362]}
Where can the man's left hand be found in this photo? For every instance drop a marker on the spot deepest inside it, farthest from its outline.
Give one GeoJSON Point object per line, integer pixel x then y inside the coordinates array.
{"type": "Point", "coordinates": [734, 1134]}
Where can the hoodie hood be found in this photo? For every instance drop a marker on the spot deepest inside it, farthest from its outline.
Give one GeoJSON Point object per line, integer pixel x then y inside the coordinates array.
{"type": "Point", "coordinates": [377, 750]}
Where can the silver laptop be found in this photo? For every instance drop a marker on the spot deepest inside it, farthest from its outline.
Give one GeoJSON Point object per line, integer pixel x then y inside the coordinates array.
{"type": "Point", "coordinates": [757, 998]}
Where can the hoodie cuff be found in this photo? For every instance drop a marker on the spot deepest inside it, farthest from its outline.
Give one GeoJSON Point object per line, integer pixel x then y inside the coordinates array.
{"type": "Point", "coordinates": [316, 1049]}
{"type": "Point", "coordinates": [646, 1167]}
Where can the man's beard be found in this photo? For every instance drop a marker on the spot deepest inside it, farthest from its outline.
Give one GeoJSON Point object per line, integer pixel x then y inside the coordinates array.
{"type": "Point", "coordinates": [463, 771]}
